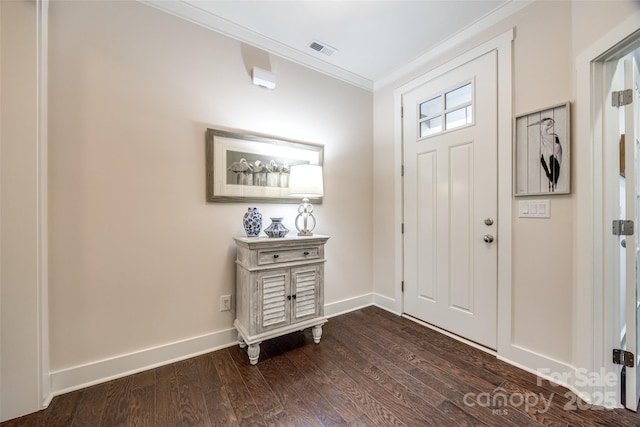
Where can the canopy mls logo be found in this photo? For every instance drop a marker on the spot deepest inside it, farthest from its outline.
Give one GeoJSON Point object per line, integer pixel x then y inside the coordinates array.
{"type": "Point", "coordinates": [501, 400]}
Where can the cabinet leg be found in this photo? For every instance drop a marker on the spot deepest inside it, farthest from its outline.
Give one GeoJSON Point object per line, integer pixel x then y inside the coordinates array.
{"type": "Point", "coordinates": [254, 353]}
{"type": "Point", "coordinates": [242, 343]}
{"type": "Point", "coordinates": [317, 333]}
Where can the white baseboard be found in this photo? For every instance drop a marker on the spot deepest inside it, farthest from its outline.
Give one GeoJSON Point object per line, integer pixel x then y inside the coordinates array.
{"type": "Point", "coordinates": [77, 377]}
{"type": "Point", "coordinates": [351, 304]}
{"type": "Point", "coordinates": [554, 371]}
{"type": "Point", "coordinates": [386, 303]}
{"type": "Point", "coordinates": [533, 362]}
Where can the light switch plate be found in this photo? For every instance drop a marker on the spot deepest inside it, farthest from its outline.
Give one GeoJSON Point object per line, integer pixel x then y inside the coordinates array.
{"type": "Point", "coordinates": [534, 209]}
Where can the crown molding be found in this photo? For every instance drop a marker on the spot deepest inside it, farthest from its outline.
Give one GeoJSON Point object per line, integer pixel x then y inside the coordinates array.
{"type": "Point", "coordinates": [191, 12]}
{"type": "Point", "coordinates": [471, 31]}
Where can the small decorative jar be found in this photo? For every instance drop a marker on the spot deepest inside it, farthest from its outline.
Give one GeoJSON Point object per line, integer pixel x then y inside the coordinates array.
{"type": "Point", "coordinates": [252, 222]}
{"type": "Point", "coordinates": [276, 229]}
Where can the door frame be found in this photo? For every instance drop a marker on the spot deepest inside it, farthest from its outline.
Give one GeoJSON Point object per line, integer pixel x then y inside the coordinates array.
{"type": "Point", "coordinates": [501, 44]}
{"type": "Point", "coordinates": [593, 304]}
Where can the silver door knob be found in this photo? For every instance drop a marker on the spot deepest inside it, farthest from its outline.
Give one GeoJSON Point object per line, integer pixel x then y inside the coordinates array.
{"type": "Point", "coordinates": [487, 238]}
{"type": "Point", "coordinates": [488, 221]}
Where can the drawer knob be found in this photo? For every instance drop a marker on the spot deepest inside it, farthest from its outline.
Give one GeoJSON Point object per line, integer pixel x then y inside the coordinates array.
{"type": "Point", "coordinates": [276, 256]}
{"type": "Point", "coordinates": [305, 253]}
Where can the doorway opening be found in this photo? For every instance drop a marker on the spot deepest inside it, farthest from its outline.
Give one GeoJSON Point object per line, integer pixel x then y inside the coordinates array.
{"type": "Point", "coordinates": [616, 86]}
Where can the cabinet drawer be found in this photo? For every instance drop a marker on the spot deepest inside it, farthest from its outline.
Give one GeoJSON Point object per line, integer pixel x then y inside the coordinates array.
{"type": "Point", "coordinates": [288, 255]}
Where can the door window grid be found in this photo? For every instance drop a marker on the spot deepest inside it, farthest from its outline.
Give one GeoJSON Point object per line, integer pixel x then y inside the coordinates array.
{"type": "Point", "coordinates": [456, 106]}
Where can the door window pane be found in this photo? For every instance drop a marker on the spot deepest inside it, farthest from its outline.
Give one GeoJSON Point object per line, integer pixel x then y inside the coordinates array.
{"type": "Point", "coordinates": [431, 126]}
{"type": "Point", "coordinates": [459, 96]}
{"type": "Point", "coordinates": [431, 107]}
{"type": "Point", "coordinates": [458, 117]}
{"type": "Point", "coordinates": [448, 110]}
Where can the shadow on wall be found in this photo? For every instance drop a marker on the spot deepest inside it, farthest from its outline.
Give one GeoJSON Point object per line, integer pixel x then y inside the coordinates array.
{"type": "Point", "coordinates": [254, 57]}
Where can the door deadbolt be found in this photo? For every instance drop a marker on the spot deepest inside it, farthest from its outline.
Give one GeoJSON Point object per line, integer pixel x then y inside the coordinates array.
{"type": "Point", "coordinates": [487, 238]}
{"type": "Point", "coordinates": [488, 221]}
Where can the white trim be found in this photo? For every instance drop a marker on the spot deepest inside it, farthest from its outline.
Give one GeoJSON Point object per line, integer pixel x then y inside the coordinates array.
{"type": "Point", "coordinates": [77, 377]}
{"type": "Point", "coordinates": [42, 203]}
{"type": "Point", "coordinates": [503, 41]}
{"type": "Point", "coordinates": [532, 362]}
{"type": "Point", "coordinates": [1, 150]}
{"type": "Point", "coordinates": [502, 44]}
{"type": "Point", "coordinates": [591, 325]}
{"type": "Point", "coordinates": [525, 359]}
{"type": "Point", "coordinates": [82, 376]}
{"type": "Point", "coordinates": [389, 304]}
{"type": "Point", "coordinates": [465, 35]}
{"type": "Point", "coordinates": [190, 12]}
{"type": "Point", "coordinates": [505, 192]}
{"type": "Point", "coordinates": [558, 371]}
{"type": "Point", "coordinates": [398, 203]}
{"type": "Point", "coordinates": [340, 307]}
{"type": "Point", "coordinates": [356, 303]}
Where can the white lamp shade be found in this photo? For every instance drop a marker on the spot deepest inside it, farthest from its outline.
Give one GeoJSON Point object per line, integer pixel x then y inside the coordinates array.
{"type": "Point", "coordinates": [306, 181]}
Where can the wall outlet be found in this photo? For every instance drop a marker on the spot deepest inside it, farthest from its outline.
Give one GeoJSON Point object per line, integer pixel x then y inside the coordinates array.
{"type": "Point", "coordinates": [225, 303]}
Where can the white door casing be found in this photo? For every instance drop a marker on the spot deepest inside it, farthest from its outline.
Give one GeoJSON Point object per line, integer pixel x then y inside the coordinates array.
{"type": "Point", "coordinates": [620, 127]}
{"type": "Point", "coordinates": [450, 190]}
{"type": "Point", "coordinates": [631, 263]}
{"type": "Point", "coordinates": [616, 200]}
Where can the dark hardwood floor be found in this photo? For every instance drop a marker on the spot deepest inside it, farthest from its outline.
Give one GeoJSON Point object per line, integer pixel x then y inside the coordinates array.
{"type": "Point", "coordinates": [371, 369]}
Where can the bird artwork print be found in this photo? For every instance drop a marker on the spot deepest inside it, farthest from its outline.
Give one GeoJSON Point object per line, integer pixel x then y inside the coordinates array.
{"type": "Point", "coordinates": [239, 168]}
{"type": "Point", "coordinates": [550, 151]}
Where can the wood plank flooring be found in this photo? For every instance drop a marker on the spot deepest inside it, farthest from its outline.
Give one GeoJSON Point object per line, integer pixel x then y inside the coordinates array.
{"type": "Point", "coordinates": [372, 368]}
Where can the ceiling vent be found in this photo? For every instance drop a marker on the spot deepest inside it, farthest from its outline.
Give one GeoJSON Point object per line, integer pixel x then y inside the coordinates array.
{"type": "Point", "coordinates": [322, 48]}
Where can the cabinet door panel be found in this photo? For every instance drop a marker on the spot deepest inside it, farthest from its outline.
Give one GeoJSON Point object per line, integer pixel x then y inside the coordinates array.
{"type": "Point", "coordinates": [308, 292]}
{"type": "Point", "coordinates": [273, 307]}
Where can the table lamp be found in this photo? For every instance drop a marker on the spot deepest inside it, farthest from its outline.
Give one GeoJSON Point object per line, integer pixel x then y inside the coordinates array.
{"type": "Point", "coordinates": [305, 181]}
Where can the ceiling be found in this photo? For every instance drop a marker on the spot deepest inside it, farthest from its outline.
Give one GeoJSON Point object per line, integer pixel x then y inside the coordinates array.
{"type": "Point", "coordinates": [373, 41]}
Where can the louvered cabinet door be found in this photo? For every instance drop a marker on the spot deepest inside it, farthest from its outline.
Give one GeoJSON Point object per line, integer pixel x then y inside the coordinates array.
{"type": "Point", "coordinates": [306, 286]}
{"type": "Point", "coordinates": [274, 307]}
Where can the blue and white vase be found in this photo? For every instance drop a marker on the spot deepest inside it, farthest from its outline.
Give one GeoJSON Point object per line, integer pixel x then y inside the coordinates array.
{"type": "Point", "coordinates": [252, 222]}
{"type": "Point", "coordinates": [276, 229]}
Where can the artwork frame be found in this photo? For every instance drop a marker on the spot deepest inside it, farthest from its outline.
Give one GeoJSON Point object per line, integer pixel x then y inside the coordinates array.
{"type": "Point", "coordinates": [233, 174]}
{"type": "Point", "coordinates": [542, 152]}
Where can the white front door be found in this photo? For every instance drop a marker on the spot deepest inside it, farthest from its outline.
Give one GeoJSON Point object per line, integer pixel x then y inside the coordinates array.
{"type": "Point", "coordinates": [450, 200]}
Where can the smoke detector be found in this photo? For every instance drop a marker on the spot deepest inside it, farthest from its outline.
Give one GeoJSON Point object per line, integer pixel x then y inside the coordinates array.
{"type": "Point", "coordinates": [322, 48]}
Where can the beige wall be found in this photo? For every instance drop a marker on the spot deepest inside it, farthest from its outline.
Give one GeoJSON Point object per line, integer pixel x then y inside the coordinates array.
{"type": "Point", "coordinates": [19, 311]}
{"type": "Point", "coordinates": [137, 257]}
{"type": "Point", "coordinates": [548, 36]}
